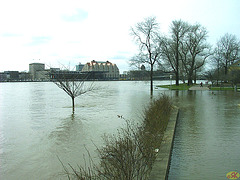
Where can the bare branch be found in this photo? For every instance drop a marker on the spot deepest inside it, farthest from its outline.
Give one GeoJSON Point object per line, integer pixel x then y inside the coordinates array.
{"type": "Point", "coordinates": [73, 84]}
{"type": "Point", "coordinates": [227, 51]}
{"type": "Point", "coordinates": [147, 36]}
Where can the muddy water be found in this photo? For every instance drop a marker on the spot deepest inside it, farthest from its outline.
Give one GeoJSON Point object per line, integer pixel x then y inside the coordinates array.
{"type": "Point", "coordinates": [207, 140]}
{"type": "Point", "coordinates": [37, 126]}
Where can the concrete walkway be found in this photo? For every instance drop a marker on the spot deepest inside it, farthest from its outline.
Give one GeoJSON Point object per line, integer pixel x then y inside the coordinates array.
{"type": "Point", "coordinates": [161, 165]}
{"type": "Point", "coordinates": [198, 88]}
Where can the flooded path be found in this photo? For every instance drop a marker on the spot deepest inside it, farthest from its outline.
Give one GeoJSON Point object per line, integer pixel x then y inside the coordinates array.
{"type": "Point", "coordinates": [207, 139]}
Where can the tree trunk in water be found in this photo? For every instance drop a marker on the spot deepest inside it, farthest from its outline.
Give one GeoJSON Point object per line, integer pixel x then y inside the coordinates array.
{"type": "Point", "coordinates": [177, 63]}
{"type": "Point", "coordinates": [195, 76]}
{"type": "Point", "coordinates": [190, 78]}
{"type": "Point", "coordinates": [217, 76]}
{"type": "Point", "coordinates": [73, 105]}
{"type": "Point", "coordinates": [151, 79]}
{"type": "Point", "coordinates": [177, 78]}
{"type": "Point", "coordinates": [190, 81]}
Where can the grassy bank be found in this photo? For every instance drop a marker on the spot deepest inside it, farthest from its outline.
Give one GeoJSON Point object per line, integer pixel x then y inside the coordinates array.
{"type": "Point", "coordinates": [130, 153]}
{"type": "Point", "coordinates": [175, 87]}
{"type": "Point", "coordinates": [221, 88]}
{"type": "Point", "coordinates": [186, 87]}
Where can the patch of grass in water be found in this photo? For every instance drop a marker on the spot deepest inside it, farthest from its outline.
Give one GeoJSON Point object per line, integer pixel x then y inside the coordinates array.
{"type": "Point", "coordinates": [175, 87]}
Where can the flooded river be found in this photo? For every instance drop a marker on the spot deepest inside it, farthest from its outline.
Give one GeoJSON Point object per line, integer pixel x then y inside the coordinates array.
{"type": "Point", "coordinates": [37, 127]}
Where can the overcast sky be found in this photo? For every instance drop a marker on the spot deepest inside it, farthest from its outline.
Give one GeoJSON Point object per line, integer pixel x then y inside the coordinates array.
{"type": "Point", "coordinates": [58, 32]}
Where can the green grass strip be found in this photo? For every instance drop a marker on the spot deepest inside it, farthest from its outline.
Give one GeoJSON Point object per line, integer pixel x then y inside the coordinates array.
{"type": "Point", "coordinates": [222, 88]}
{"type": "Point", "coordinates": [174, 87]}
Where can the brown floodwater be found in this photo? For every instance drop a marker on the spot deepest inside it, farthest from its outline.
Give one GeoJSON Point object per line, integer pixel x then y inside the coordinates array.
{"type": "Point", "coordinates": [37, 127]}
{"type": "Point", "coordinates": [207, 139]}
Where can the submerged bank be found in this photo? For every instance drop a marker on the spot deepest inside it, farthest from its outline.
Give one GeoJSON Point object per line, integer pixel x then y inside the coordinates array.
{"type": "Point", "coordinates": [131, 153]}
{"type": "Point", "coordinates": [162, 163]}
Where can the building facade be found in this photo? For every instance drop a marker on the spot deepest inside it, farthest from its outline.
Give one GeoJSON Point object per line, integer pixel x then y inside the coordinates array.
{"type": "Point", "coordinates": [105, 69]}
{"type": "Point", "coordinates": [37, 71]}
{"type": "Point", "coordinates": [9, 76]}
{"type": "Point", "coordinates": [79, 67]}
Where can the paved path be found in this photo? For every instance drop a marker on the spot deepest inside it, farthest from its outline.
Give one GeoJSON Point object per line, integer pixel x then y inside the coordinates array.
{"type": "Point", "coordinates": [198, 88]}
{"type": "Point", "coordinates": [162, 163]}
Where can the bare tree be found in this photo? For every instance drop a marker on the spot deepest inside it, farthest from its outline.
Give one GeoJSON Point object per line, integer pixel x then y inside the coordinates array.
{"type": "Point", "coordinates": [233, 77]}
{"type": "Point", "coordinates": [217, 64]}
{"type": "Point", "coordinates": [227, 51]}
{"type": "Point", "coordinates": [71, 83]}
{"type": "Point", "coordinates": [194, 50]}
{"type": "Point", "coordinates": [171, 45]}
{"type": "Point", "coordinates": [137, 61]}
{"type": "Point", "coordinates": [147, 36]}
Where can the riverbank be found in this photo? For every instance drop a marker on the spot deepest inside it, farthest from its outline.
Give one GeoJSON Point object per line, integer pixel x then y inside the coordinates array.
{"type": "Point", "coordinates": [161, 165]}
{"type": "Point", "coordinates": [198, 87]}
{"type": "Point", "coordinates": [175, 87]}
{"type": "Point", "coordinates": [132, 151]}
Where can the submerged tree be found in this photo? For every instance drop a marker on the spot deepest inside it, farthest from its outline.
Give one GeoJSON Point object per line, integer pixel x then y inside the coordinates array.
{"type": "Point", "coordinates": [178, 31]}
{"type": "Point", "coordinates": [217, 65]}
{"type": "Point", "coordinates": [186, 49]}
{"type": "Point", "coordinates": [194, 50]}
{"type": "Point", "coordinates": [147, 36]}
{"type": "Point", "coordinates": [71, 83]}
{"type": "Point", "coordinates": [171, 46]}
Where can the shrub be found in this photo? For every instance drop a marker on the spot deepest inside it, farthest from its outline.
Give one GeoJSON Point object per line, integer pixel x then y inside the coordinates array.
{"type": "Point", "coordinates": [130, 153]}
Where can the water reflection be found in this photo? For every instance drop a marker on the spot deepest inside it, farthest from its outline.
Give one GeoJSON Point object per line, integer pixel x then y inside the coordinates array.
{"type": "Point", "coordinates": [206, 144]}
{"type": "Point", "coordinates": [37, 125]}
{"type": "Point", "coordinates": [67, 130]}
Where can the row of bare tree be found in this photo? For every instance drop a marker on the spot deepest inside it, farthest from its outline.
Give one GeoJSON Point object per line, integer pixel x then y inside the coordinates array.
{"type": "Point", "coordinates": [226, 53]}
{"type": "Point", "coordinates": [184, 51]}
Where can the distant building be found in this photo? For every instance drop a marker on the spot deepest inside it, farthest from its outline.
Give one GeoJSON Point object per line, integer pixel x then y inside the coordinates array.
{"type": "Point", "coordinates": [24, 76]}
{"type": "Point", "coordinates": [102, 70]}
{"type": "Point", "coordinates": [98, 70]}
{"type": "Point", "coordinates": [145, 75]}
{"type": "Point", "coordinates": [54, 70]}
{"type": "Point", "coordinates": [12, 75]}
{"type": "Point", "coordinates": [9, 76]}
{"type": "Point", "coordinates": [66, 75]}
{"type": "Point", "coordinates": [79, 67]}
{"type": "Point", "coordinates": [37, 71]}
{"type": "Point", "coordinates": [3, 77]}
